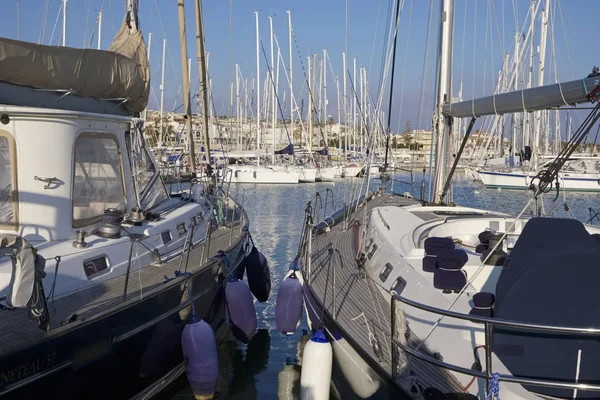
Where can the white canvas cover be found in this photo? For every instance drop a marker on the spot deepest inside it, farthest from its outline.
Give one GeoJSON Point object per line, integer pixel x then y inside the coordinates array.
{"type": "Point", "coordinates": [23, 269]}
{"type": "Point", "coordinates": [120, 72]}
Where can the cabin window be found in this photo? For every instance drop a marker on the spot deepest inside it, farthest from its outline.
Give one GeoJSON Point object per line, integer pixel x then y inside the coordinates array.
{"type": "Point", "coordinates": [373, 250]}
{"type": "Point", "coordinates": [166, 237]}
{"type": "Point", "coordinates": [181, 229]}
{"type": "Point", "coordinates": [95, 266]}
{"type": "Point", "coordinates": [98, 178]}
{"type": "Point", "coordinates": [146, 177]}
{"type": "Point", "coordinates": [8, 181]}
{"type": "Point", "coordinates": [385, 272]}
{"type": "Point", "coordinates": [399, 285]}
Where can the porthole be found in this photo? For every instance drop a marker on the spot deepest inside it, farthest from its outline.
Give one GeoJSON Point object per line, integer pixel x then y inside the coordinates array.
{"type": "Point", "coordinates": [385, 272]}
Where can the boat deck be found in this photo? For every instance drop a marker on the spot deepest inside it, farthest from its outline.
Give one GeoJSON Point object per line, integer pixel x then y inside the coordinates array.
{"type": "Point", "coordinates": [18, 330]}
{"type": "Point", "coordinates": [360, 309]}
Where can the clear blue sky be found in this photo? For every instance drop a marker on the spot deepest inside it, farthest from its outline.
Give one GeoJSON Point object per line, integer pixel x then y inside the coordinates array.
{"type": "Point", "coordinates": [318, 25]}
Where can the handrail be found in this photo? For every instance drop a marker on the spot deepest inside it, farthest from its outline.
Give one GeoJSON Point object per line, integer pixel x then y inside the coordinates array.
{"type": "Point", "coordinates": [505, 378]}
{"type": "Point", "coordinates": [489, 324]}
{"type": "Point", "coordinates": [500, 322]}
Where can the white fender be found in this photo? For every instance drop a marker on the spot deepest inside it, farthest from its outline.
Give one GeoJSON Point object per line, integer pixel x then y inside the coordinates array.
{"type": "Point", "coordinates": [315, 378]}
{"type": "Point", "coordinates": [362, 379]}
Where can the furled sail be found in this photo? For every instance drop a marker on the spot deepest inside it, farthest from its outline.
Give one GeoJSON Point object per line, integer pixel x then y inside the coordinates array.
{"type": "Point", "coordinates": [122, 72]}
{"type": "Point", "coordinates": [533, 99]}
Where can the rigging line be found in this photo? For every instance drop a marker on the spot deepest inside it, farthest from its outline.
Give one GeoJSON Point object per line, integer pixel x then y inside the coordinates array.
{"type": "Point", "coordinates": [374, 37]}
{"type": "Point", "coordinates": [87, 21]}
{"type": "Point", "coordinates": [405, 62]}
{"type": "Point", "coordinates": [566, 38]}
{"type": "Point", "coordinates": [55, 23]}
{"type": "Point", "coordinates": [389, 116]}
{"type": "Point", "coordinates": [288, 82]}
{"type": "Point", "coordinates": [386, 37]}
{"type": "Point", "coordinates": [500, 38]}
{"type": "Point", "coordinates": [276, 94]}
{"type": "Point", "coordinates": [44, 19]}
{"type": "Point", "coordinates": [310, 90]}
{"type": "Point", "coordinates": [424, 70]}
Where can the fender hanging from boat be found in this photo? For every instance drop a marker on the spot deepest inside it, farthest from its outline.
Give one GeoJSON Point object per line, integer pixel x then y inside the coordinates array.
{"type": "Point", "coordinates": [315, 377]}
{"type": "Point", "coordinates": [201, 358]}
{"type": "Point", "coordinates": [240, 307]}
{"type": "Point", "coordinates": [361, 378]}
{"type": "Point", "coordinates": [258, 274]}
{"type": "Point", "coordinates": [288, 306]}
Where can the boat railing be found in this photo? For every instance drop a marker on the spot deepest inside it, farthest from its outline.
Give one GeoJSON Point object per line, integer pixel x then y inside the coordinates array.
{"type": "Point", "coordinates": [489, 324]}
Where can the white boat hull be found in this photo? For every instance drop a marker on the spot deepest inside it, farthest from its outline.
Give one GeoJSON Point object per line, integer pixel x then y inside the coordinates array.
{"type": "Point", "coordinates": [307, 175]}
{"type": "Point", "coordinates": [325, 174]}
{"type": "Point", "coordinates": [262, 175]}
{"type": "Point", "coordinates": [522, 180]}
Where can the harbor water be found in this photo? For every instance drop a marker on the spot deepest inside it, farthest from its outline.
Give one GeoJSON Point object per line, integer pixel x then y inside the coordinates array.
{"type": "Point", "coordinates": [269, 366]}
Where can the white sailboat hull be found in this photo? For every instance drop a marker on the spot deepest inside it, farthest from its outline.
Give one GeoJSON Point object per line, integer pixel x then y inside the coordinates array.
{"type": "Point", "coordinates": [351, 172]}
{"type": "Point", "coordinates": [307, 175]}
{"type": "Point", "coordinates": [263, 175]}
{"type": "Point", "coordinates": [325, 174]}
{"type": "Point", "coordinates": [522, 180]}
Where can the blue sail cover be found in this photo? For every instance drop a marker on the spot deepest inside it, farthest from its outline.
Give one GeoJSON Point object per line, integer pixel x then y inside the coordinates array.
{"type": "Point", "coordinates": [324, 151]}
{"type": "Point", "coordinates": [550, 278]}
{"type": "Point", "coordinates": [289, 149]}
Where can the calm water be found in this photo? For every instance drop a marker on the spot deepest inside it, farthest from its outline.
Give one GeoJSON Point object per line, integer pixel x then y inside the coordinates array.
{"type": "Point", "coordinates": [268, 367]}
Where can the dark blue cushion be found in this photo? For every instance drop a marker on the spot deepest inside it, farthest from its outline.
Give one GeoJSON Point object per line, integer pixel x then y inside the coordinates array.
{"type": "Point", "coordinates": [484, 237]}
{"type": "Point", "coordinates": [449, 280]}
{"type": "Point", "coordinates": [429, 263]}
{"type": "Point", "coordinates": [484, 299]}
{"type": "Point", "coordinates": [434, 244]}
{"type": "Point", "coordinates": [482, 312]}
{"type": "Point", "coordinates": [452, 258]}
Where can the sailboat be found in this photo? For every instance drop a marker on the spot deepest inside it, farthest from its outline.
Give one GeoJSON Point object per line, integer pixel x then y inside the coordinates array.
{"type": "Point", "coordinates": [436, 301]}
{"type": "Point", "coordinates": [101, 268]}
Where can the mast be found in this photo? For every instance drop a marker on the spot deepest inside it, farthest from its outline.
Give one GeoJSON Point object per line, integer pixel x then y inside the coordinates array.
{"type": "Point", "coordinates": [541, 70]}
{"type": "Point", "coordinates": [291, 79]}
{"type": "Point", "coordinates": [325, 117]}
{"type": "Point", "coordinates": [276, 97]}
{"type": "Point", "coordinates": [312, 92]}
{"type": "Point", "coordinates": [257, 92]}
{"type": "Point", "coordinates": [237, 104]}
{"type": "Point", "coordinates": [345, 103]}
{"type": "Point", "coordinates": [354, 104]}
{"type": "Point", "coordinates": [515, 117]}
{"type": "Point", "coordinates": [162, 93]}
{"type": "Point", "coordinates": [527, 117]}
{"type": "Point", "coordinates": [64, 23]}
{"type": "Point", "coordinates": [309, 109]}
{"type": "Point", "coordinates": [389, 116]}
{"type": "Point", "coordinates": [272, 72]}
{"type": "Point", "coordinates": [186, 80]}
{"type": "Point", "coordinates": [442, 127]}
{"type": "Point", "coordinates": [100, 33]}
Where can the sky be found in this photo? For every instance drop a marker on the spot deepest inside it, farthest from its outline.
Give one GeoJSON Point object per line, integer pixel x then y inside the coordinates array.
{"type": "Point", "coordinates": [484, 31]}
